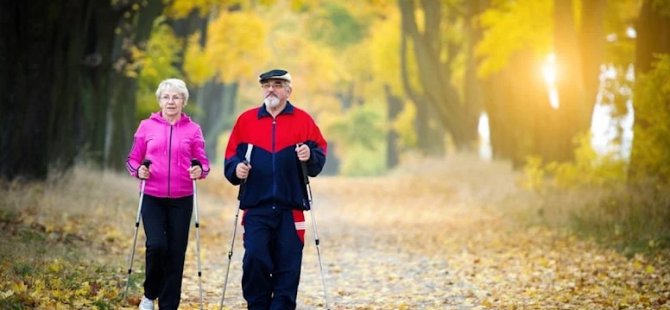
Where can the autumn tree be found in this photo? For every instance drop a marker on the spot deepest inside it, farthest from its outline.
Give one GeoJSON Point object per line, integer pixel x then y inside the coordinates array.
{"type": "Point", "coordinates": [67, 69]}
{"type": "Point", "coordinates": [229, 54]}
{"type": "Point", "coordinates": [516, 45]}
{"type": "Point", "coordinates": [436, 43]}
{"type": "Point", "coordinates": [651, 150]}
{"type": "Point", "coordinates": [579, 49]}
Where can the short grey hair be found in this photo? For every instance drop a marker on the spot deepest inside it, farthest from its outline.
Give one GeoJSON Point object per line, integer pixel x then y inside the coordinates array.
{"type": "Point", "coordinates": [287, 84]}
{"type": "Point", "coordinates": [175, 85]}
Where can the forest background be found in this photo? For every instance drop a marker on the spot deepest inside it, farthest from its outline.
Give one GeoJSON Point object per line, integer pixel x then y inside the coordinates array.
{"type": "Point", "coordinates": [575, 95]}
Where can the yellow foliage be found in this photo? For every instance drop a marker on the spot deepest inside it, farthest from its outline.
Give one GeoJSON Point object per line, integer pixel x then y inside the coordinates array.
{"type": "Point", "coordinates": [404, 126]}
{"type": "Point", "coordinates": [84, 290]}
{"type": "Point", "coordinates": [299, 5]}
{"type": "Point", "coordinates": [56, 266]}
{"type": "Point", "coordinates": [383, 47]}
{"type": "Point", "coordinates": [651, 146]}
{"type": "Point", "coordinates": [459, 235]}
{"type": "Point", "coordinates": [511, 26]}
{"type": "Point", "coordinates": [533, 173]}
{"type": "Point", "coordinates": [197, 66]}
{"type": "Point", "coordinates": [6, 294]}
{"type": "Point", "coordinates": [236, 45]}
{"type": "Point", "coordinates": [181, 8]}
{"type": "Point", "coordinates": [318, 59]}
{"type": "Point", "coordinates": [19, 287]}
{"type": "Point", "coordinates": [588, 168]}
{"type": "Point", "coordinates": [303, 58]}
{"type": "Point", "coordinates": [156, 63]}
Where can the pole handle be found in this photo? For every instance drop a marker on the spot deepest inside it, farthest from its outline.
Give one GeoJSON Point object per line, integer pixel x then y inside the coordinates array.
{"type": "Point", "coordinates": [305, 177]}
{"type": "Point", "coordinates": [243, 185]}
{"type": "Point", "coordinates": [145, 163]}
{"type": "Point", "coordinates": [303, 166]}
{"type": "Point", "coordinates": [195, 162]}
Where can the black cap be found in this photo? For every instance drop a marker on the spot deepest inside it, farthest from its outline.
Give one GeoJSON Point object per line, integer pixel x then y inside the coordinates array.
{"type": "Point", "coordinates": [275, 74]}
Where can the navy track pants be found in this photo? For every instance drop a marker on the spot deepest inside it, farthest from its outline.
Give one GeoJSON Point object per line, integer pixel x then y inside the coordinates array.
{"type": "Point", "coordinates": [273, 243]}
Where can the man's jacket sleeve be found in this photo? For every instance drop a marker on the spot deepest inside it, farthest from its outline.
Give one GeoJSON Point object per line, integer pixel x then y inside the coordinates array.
{"type": "Point", "coordinates": [232, 156]}
{"type": "Point", "coordinates": [318, 150]}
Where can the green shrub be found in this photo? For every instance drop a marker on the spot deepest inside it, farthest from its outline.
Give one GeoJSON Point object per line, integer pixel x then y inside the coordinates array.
{"type": "Point", "coordinates": [651, 145]}
{"type": "Point", "coordinates": [593, 197]}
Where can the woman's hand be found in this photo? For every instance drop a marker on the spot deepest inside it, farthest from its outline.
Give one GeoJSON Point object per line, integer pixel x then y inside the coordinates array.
{"type": "Point", "coordinates": [143, 173]}
{"type": "Point", "coordinates": [195, 172]}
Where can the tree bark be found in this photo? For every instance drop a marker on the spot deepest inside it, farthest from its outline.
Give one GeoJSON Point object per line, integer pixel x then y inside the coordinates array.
{"type": "Point", "coordinates": [216, 104]}
{"type": "Point", "coordinates": [215, 100]}
{"type": "Point", "coordinates": [26, 61]}
{"type": "Point", "coordinates": [653, 36]}
{"type": "Point", "coordinates": [579, 54]}
{"type": "Point", "coordinates": [121, 114]}
{"type": "Point", "coordinates": [56, 65]}
{"type": "Point", "coordinates": [435, 73]}
{"type": "Point", "coordinates": [520, 117]}
{"type": "Point", "coordinates": [592, 50]}
{"type": "Point", "coordinates": [394, 108]}
{"type": "Point", "coordinates": [473, 92]}
{"type": "Point", "coordinates": [650, 138]}
{"type": "Point", "coordinates": [429, 143]}
{"type": "Point", "coordinates": [569, 80]}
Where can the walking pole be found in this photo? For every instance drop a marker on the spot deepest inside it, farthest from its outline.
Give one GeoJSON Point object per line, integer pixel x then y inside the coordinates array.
{"type": "Point", "coordinates": [195, 162]}
{"type": "Point", "coordinates": [316, 233]}
{"type": "Point", "coordinates": [247, 160]}
{"type": "Point", "coordinates": [145, 163]}
{"type": "Point", "coordinates": [230, 255]}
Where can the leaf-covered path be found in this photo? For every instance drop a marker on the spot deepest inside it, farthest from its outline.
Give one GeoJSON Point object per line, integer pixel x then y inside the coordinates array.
{"type": "Point", "coordinates": [437, 238]}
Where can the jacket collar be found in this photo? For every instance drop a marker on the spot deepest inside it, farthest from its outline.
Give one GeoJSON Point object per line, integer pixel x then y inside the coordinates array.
{"type": "Point", "coordinates": [263, 111]}
{"type": "Point", "coordinates": [182, 120]}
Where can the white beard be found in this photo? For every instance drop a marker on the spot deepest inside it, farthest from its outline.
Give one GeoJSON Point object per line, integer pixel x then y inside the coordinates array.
{"type": "Point", "coordinates": [271, 102]}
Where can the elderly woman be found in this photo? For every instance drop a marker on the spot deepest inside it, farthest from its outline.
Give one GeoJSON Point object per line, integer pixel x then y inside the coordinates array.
{"type": "Point", "coordinates": [169, 139]}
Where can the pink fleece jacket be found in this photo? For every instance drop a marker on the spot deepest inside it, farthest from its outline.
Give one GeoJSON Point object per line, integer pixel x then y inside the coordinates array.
{"type": "Point", "coordinates": [170, 149]}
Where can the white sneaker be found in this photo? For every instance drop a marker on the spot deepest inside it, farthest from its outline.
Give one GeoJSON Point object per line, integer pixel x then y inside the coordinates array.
{"type": "Point", "coordinates": [146, 304]}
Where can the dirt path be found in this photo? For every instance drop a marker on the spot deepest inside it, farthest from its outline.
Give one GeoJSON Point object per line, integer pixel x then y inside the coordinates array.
{"type": "Point", "coordinates": [432, 239]}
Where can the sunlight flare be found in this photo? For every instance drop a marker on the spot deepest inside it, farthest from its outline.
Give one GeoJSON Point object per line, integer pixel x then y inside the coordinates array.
{"type": "Point", "coordinates": [550, 74]}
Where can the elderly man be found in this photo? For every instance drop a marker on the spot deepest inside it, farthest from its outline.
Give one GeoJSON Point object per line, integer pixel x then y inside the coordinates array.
{"type": "Point", "coordinates": [264, 155]}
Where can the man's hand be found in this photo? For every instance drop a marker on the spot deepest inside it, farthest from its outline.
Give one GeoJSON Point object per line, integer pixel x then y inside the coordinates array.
{"type": "Point", "coordinates": [242, 170]}
{"type": "Point", "coordinates": [303, 152]}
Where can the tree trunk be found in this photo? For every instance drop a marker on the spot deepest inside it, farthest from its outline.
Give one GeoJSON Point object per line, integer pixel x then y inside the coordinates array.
{"type": "Point", "coordinates": [394, 108]}
{"type": "Point", "coordinates": [435, 73]}
{"type": "Point", "coordinates": [579, 54]}
{"type": "Point", "coordinates": [95, 80]}
{"type": "Point", "coordinates": [650, 147]}
{"type": "Point", "coordinates": [429, 131]}
{"type": "Point", "coordinates": [121, 113]}
{"type": "Point", "coordinates": [653, 36]}
{"type": "Point", "coordinates": [520, 117]}
{"type": "Point", "coordinates": [215, 100]}
{"type": "Point", "coordinates": [569, 81]}
{"type": "Point", "coordinates": [46, 99]}
{"type": "Point", "coordinates": [473, 89]}
{"type": "Point", "coordinates": [55, 82]}
{"type": "Point", "coordinates": [217, 107]}
{"type": "Point", "coordinates": [26, 61]}
{"type": "Point", "coordinates": [592, 50]}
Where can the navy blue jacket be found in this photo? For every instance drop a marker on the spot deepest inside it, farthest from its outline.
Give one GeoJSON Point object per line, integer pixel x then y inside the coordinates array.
{"type": "Point", "coordinates": [276, 176]}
